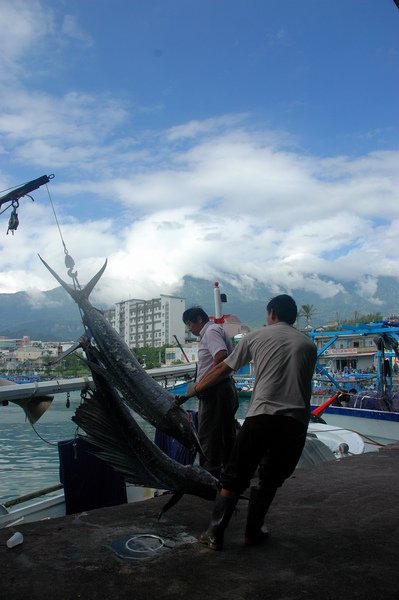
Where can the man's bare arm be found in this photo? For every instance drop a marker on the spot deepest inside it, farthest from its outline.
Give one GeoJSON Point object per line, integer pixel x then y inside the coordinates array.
{"type": "Point", "coordinates": [217, 373]}
{"type": "Point", "coordinates": [219, 356]}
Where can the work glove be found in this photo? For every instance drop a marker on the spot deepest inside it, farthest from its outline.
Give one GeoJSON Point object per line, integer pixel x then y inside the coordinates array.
{"type": "Point", "coordinates": [179, 400]}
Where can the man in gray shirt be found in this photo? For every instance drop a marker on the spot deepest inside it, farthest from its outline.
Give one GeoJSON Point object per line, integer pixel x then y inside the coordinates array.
{"type": "Point", "coordinates": [274, 431]}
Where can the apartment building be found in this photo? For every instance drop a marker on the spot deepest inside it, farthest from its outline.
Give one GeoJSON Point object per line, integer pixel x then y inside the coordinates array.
{"type": "Point", "coordinates": [153, 322]}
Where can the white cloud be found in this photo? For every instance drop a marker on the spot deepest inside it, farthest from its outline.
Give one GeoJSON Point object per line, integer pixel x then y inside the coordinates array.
{"type": "Point", "coordinates": [24, 26]}
{"type": "Point", "coordinates": [284, 227]}
{"type": "Point", "coordinates": [223, 195]}
{"type": "Point", "coordinates": [367, 287]}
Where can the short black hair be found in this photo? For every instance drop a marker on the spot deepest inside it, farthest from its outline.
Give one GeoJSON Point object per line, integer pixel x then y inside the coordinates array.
{"type": "Point", "coordinates": [285, 308]}
{"type": "Point", "coordinates": [193, 314]}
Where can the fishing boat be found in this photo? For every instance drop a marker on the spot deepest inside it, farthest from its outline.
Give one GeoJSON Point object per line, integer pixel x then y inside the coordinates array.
{"type": "Point", "coordinates": [50, 503]}
{"type": "Point", "coordinates": [363, 402]}
{"type": "Point", "coordinates": [378, 425]}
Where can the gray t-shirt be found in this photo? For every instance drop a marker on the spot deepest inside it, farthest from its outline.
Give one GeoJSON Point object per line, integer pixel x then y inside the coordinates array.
{"type": "Point", "coordinates": [213, 338]}
{"type": "Point", "coordinates": [284, 360]}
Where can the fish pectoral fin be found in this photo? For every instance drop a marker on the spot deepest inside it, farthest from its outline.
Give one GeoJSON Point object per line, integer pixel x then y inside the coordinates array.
{"type": "Point", "coordinates": [97, 368]}
{"type": "Point", "coordinates": [75, 346]}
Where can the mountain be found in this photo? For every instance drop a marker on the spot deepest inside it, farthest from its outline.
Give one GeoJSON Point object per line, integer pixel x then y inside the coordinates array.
{"type": "Point", "coordinates": [54, 316]}
{"type": "Point", "coordinates": [250, 304]}
{"type": "Point", "coordinates": [47, 316]}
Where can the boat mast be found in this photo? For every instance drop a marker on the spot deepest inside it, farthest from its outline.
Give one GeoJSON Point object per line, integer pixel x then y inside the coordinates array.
{"type": "Point", "coordinates": [219, 317]}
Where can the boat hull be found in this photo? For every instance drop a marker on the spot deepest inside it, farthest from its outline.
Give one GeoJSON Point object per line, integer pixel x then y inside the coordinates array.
{"type": "Point", "coordinates": [379, 425]}
{"type": "Point", "coordinates": [55, 506]}
{"type": "Point", "coordinates": [244, 393]}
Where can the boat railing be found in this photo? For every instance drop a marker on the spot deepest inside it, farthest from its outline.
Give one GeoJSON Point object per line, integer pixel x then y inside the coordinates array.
{"type": "Point", "coordinates": [31, 496]}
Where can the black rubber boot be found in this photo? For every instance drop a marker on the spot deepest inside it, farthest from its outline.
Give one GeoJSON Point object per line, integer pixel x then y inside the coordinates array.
{"type": "Point", "coordinates": [260, 500]}
{"type": "Point", "coordinates": [222, 511]}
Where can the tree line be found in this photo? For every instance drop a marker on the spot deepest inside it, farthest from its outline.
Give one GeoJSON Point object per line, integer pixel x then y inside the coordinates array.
{"type": "Point", "coordinates": [307, 311]}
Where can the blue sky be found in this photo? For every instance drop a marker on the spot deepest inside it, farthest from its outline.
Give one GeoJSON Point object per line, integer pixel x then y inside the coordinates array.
{"type": "Point", "coordinates": [241, 140]}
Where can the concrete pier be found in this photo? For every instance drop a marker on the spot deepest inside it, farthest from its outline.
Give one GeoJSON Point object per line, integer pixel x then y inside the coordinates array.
{"type": "Point", "coordinates": [334, 535]}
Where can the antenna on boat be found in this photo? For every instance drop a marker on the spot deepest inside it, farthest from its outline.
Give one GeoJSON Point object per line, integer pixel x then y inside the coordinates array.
{"type": "Point", "coordinates": [16, 194]}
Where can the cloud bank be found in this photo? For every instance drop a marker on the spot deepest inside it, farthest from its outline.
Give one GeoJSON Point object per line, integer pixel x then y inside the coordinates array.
{"type": "Point", "coordinates": [224, 197]}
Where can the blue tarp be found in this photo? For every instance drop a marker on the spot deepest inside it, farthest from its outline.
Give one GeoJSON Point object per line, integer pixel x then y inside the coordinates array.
{"type": "Point", "coordinates": [173, 448]}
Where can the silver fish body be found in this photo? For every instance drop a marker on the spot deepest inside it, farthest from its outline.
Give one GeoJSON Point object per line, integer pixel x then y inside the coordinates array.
{"type": "Point", "coordinates": [111, 427]}
{"type": "Point", "coordinates": [143, 394]}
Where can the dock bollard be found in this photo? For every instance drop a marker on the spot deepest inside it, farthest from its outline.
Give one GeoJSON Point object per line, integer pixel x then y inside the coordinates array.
{"type": "Point", "coordinates": [15, 539]}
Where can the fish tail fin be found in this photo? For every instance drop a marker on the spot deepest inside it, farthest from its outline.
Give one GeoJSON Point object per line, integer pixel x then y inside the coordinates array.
{"type": "Point", "coordinates": [76, 294]}
{"type": "Point", "coordinates": [89, 287]}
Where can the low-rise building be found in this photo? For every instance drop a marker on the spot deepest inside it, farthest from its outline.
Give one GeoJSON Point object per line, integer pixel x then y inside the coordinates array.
{"type": "Point", "coordinates": [176, 355]}
{"type": "Point", "coordinates": [348, 352]}
{"type": "Point", "coordinates": [233, 326]}
{"type": "Point", "coordinates": [30, 355]}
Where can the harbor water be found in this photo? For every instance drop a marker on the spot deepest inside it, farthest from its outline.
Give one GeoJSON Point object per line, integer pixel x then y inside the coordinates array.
{"type": "Point", "coordinates": [29, 454]}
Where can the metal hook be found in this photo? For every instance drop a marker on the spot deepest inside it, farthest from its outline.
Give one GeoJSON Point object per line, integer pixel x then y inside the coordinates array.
{"type": "Point", "coordinates": [70, 263]}
{"type": "Point", "coordinates": [13, 221]}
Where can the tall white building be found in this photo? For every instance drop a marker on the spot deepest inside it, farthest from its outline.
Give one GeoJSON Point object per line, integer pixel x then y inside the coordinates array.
{"type": "Point", "coordinates": [153, 322]}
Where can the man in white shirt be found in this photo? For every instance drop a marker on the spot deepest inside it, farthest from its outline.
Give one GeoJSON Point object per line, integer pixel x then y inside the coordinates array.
{"type": "Point", "coordinates": [219, 403]}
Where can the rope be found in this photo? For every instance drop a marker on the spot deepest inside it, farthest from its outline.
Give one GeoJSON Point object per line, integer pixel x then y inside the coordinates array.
{"type": "Point", "coordinates": [56, 219]}
{"type": "Point", "coordinates": [42, 438]}
{"type": "Point", "coordinates": [69, 262]}
{"type": "Point", "coordinates": [368, 439]}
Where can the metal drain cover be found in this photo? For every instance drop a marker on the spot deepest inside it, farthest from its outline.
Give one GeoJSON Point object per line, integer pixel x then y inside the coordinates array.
{"type": "Point", "coordinates": [141, 546]}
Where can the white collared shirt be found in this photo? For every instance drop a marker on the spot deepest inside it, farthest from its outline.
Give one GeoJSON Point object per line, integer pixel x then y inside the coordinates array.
{"type": "Point", "coordinates": [213, 339]}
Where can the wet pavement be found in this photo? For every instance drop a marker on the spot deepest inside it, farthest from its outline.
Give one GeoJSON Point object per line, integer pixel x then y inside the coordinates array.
{"type": "Point", "coordinates": [334, 535]}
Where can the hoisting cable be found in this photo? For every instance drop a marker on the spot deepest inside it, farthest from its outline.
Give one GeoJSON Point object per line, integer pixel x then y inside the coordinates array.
{"type": "Point", "coordinates": [42, 438]}
{"type": "Point", "coordinates": [69, 262]}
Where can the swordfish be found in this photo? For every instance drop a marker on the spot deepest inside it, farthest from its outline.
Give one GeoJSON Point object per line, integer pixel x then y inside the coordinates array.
{"type": "Point", "coordinates": [120, 442]}
{"type": "Point", "coordinates": [140, 391]}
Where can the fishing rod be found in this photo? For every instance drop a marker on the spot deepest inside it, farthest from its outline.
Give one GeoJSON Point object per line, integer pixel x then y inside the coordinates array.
{"type": "Point", "coordinates": [181, 349]}
{"type": "Point", "coordinates": [16, 194]}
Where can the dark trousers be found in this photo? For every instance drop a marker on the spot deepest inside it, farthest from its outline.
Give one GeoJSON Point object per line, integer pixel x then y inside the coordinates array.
{"type": "Point", "coordinates": [272, 442]}
{"type": "Point", "coordinates": [216, 424]}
